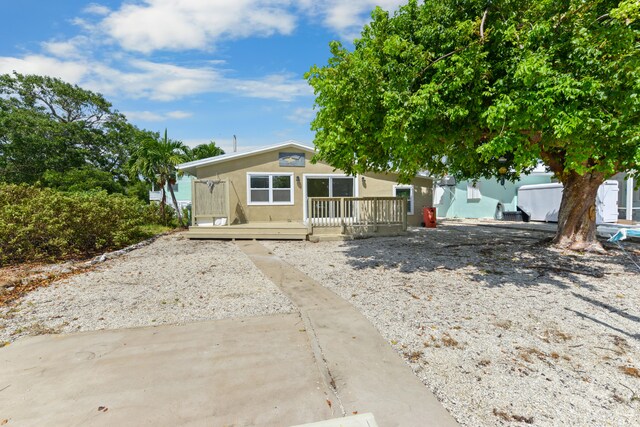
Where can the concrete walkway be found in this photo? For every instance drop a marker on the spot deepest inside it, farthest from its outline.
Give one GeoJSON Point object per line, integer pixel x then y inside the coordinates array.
{"type": "Point", "coordinates": [361, 369]}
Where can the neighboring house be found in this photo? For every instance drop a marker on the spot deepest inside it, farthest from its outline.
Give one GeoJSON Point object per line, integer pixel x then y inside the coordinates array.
{"type": "Point", "coordinates": [182, 190]}
{"type": "Point", "coordinates": [279, 190]}
{"type": "Point", "coordinates": [466, 200]}
{"type": "Point", "coordinates": [628, 198]}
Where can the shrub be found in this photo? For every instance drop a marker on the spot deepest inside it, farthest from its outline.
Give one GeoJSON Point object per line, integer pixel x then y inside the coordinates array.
{"type": "Point", "coordinates": [38, 224]}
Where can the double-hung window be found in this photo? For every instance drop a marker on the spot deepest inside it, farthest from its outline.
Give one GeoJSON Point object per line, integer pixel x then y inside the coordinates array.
{"type": "Point", "coordinates": [270, 188]}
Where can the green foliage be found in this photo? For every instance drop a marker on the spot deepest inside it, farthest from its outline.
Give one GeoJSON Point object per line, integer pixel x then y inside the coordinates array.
{"type": "Point", "coordinates": [476, 88]}
{"type": "Point", "coordinates": [49, 125]}
{"type": "Point", "coordinates": [139, 189]}
{"type": "Point", "coordinates": [204, 151]}
{"type": "Point", "coordinates": [43, 224]}
{"type": "Point", "coordinates": [82, 179]}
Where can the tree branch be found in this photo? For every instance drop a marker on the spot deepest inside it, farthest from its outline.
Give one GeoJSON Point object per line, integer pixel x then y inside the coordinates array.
{"type": "Point", "coordinates": [484, 18]}
{"type": "Point", "coordinates": [424, 70]}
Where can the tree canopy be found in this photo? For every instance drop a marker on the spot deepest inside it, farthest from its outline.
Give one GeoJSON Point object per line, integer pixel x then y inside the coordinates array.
{"type": "Point", "coordinates": [50, 125]}
{"type": "Point", "coordinates": [204, 151]}
{"type": "Point", "coordinates": [479, 88]}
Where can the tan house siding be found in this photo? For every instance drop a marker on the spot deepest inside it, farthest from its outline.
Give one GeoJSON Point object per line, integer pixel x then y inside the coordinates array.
{"type": "Point", "coordinates": [383, 185]}
{"type": "Point", "coordinates": [236, 171]}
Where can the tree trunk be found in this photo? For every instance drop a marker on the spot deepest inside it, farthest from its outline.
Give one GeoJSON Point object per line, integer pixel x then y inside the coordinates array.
{"type": "Point", "coordinates": [175, 205]}
{"type": "Point", "coordinates": [163, 202]}
{"type": "Point", "coordinates": [577, 216]}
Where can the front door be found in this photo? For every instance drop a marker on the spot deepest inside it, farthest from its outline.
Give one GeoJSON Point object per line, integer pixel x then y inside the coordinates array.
{"type": "Point", "coordinates": [329, 186]}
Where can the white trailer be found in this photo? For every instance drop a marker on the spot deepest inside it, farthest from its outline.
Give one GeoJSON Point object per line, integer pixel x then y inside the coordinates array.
{"type": "Point", "coordinates": [542, 202]}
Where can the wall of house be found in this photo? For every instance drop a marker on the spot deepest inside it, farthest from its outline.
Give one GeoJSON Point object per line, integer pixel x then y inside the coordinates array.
{"type": "Point", "coordinates": [455, 202]}
{"type": "Point", "coordinates": [241, 212]}
{"type": "Point", "coordinates": [383, 185]}
{"type": "Point", "coordinates": [182, 192]}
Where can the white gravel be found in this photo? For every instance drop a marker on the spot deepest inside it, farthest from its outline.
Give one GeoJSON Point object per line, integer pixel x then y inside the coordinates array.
{"type": "Point", "coordinates": [173, 280]}
{"type": "Point", "coordinates": [504, 331]}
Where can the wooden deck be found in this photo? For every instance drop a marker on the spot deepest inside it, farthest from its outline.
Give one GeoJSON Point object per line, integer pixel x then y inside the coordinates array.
{"type": "Point", "coordinates": [253, 230]}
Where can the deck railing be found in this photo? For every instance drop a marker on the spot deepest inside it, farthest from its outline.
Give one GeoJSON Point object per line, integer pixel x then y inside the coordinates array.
{"type": "Point", "coordinates": [356, 212]}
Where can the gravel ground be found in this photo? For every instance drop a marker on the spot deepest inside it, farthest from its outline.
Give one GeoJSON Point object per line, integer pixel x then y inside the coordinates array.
{"type": "Point", "coordinates": [503, 330]}
{"type": "Point", "coordinates": [173, 280]}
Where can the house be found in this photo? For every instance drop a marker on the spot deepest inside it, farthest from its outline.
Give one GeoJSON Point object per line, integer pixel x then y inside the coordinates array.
{"type": "Point", "coordinates": [181, 189]}
{"type": "Point", "coordinates": [628, 198]}
{"type": "Point", "coordinates": [277, 192]}
{"type": "Point", "coordinates": [486, 198]}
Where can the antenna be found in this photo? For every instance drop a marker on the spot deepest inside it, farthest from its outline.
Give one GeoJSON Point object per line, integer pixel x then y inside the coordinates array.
{"type": "Point", "coordinates": [235, 144]}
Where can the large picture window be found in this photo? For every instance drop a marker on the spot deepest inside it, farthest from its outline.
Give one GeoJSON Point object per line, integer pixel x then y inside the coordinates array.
{"type": "Point", "coordinates": [270, 188]}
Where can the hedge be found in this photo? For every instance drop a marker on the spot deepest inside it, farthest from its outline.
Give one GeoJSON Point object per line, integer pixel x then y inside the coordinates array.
{"type": "Point", "coordinates": [41, 224]}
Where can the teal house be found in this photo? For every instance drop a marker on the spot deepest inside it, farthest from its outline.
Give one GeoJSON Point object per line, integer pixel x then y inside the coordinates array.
{"type": "Point", "coordinates": [182, 190]}
{"type": "Point", "coordinates": [485, 199]}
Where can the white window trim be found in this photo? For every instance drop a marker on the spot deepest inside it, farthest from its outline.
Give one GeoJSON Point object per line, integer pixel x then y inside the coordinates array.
{"type": "Point", "coordinates": [270, 175]}
{"type": "Point", "coordinates": [405, 187]}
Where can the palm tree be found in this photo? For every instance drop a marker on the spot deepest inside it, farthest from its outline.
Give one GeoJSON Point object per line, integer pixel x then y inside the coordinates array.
{"type": "Point", "coordinates": [155, 160]}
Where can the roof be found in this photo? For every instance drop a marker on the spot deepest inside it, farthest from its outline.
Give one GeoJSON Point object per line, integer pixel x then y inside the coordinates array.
{"type": "Point", "coordinates": [190, 167]}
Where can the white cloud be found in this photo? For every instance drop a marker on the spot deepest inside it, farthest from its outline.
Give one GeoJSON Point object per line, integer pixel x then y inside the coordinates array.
{"type": "Point", "coordinates": [346, 17]}
{"type": "Point", "coordinates": [97, 9]}
{"type": "Point", "coordinates": [194, 24]}
{"type": "Point", "coordinates": [69, 71]}
{"type": "Point", "coordinates": [179, 114]}
{"type": "Point", "coordinates": [302, 115]}
{"type": "Point", "coordinates": [155, 81]}
{"type": "Point", "coordinates": [73, 48]}
{"type": "Point", "coordinates": [150, 116]}
{"type": "Point", "coordinates": [283, 87]}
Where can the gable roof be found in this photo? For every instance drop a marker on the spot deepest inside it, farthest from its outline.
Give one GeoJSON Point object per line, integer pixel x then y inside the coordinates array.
{"type": "Point", "coordinates": [190, 167]}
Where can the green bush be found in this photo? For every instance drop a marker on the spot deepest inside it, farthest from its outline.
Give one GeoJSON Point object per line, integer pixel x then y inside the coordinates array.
{"type": "Point", "coordinates": [38, 224]}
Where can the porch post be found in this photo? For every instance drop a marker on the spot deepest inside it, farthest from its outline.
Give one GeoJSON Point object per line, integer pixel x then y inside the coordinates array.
{"type": "Point", "coordinates": [343, 213]}
{"type": "Point", "coordinates": [404, 215]}
{"type": "Point", "coordinates": [309, 216]}
{"type": "Point", "coordinates": [228, 202]}
{"type": "Point", "coordinates": [375, 214]}
{"type": "Point", "coordinates": [629, 201]}
{"type": "Point", "coordinates": [193, 202]}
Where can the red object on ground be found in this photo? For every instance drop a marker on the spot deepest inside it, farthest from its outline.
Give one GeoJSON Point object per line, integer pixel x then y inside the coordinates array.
{"type": "Point", "coordinates": [429, 217]}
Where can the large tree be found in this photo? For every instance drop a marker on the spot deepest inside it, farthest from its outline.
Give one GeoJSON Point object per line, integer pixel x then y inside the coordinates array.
{"type": "Point", "coordinates": [50, 125]}
{"type": "Point", "coordinates": [479, 88]}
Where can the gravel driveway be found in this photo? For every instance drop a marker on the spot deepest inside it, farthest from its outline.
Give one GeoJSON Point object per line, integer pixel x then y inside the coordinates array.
{"type": "Point", "coordinates": [173, 280]}
{"type": "Point", "coordinates": [505, 331]}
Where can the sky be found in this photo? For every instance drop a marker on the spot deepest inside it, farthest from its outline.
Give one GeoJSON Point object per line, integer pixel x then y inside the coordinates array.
{"type": "Point", "coordinates": [203, 69]}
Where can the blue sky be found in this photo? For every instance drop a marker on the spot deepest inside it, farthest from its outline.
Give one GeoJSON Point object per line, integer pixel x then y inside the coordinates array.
{"type": "Point", "coordinates": [204, 69]}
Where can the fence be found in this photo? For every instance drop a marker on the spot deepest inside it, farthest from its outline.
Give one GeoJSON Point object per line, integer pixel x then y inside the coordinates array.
{"type": "Point", "coordinates": [210, 201]}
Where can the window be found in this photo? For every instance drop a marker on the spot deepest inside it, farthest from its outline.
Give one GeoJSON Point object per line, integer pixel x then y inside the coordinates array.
{"type": "Point", "coordinates": [270, 189]}
{"type": "Point", "coordinates": [407, 192]}
{"type": "Point", "coordinates": [174, 186]}
{"type": "Point", "coordinates": [473, 191]}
